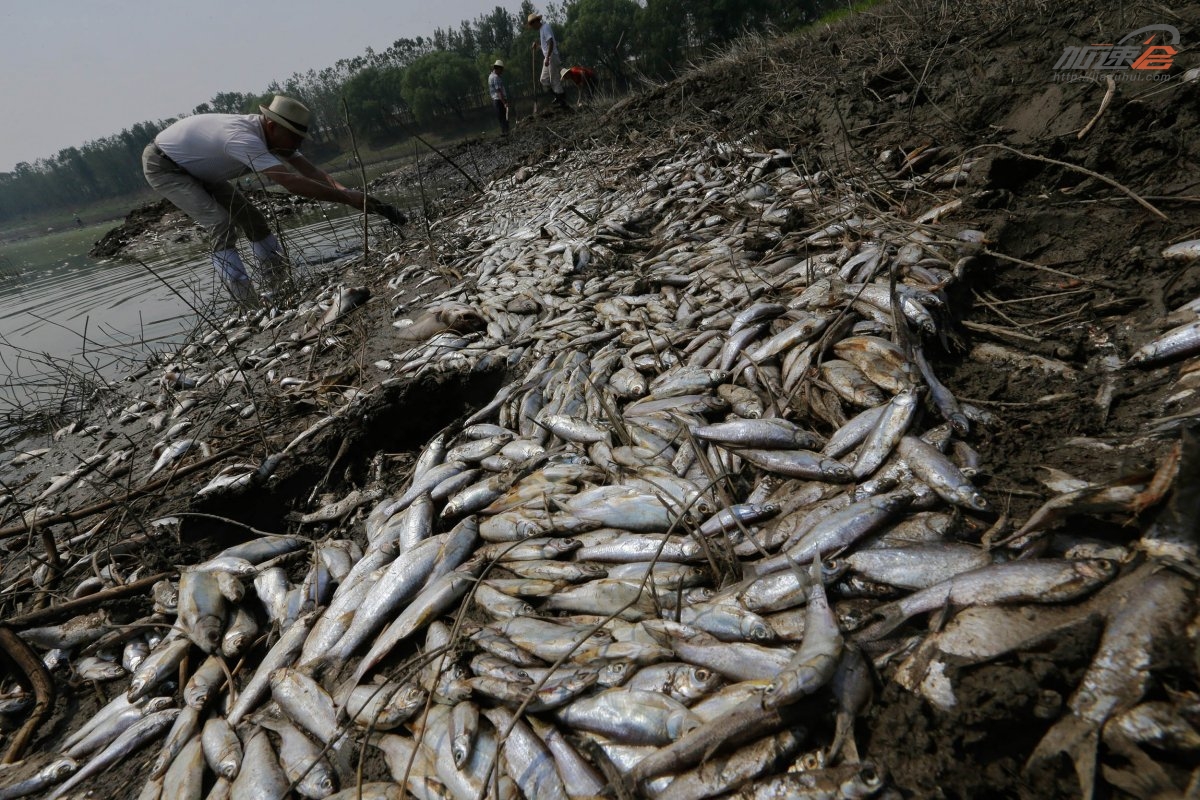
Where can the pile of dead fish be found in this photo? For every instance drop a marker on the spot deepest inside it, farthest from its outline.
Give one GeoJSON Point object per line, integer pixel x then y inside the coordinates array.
{"type": "Point", "coordinates": [663, 557]}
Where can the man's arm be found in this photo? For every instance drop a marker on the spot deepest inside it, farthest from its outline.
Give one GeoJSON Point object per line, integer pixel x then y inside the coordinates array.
{"type": "Point", "coordinates": [314, 183]}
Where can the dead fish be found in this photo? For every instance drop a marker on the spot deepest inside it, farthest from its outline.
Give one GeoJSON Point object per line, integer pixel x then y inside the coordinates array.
{"type": "Point", "coordinates": [1183, 251]}
{"type": "Point", "coordinates": [172, 453]}
{"type": "Point", "coordinates": [1155, 610]}
{"type": "Point", "coordinates": [1177, 343]}
{"type": "Point", "coordinates": [847, 782]}
{"type": "Point", "coordinates": [25, 456]}
{"type": "Point", "coordinates": [53, 773]}
{"type": "Point", "coordinates": [1038, 580]}
{"type": "Point", "coordinates": [70, 634]}
{"type": "Point", "coordinates": [346, 301]}
{"type": "Point", "coordinates": [451, 317]}
{"type": "Point", "coordinates": [232, 479]}
{"type": "Point", "coordinates": [339, 509]}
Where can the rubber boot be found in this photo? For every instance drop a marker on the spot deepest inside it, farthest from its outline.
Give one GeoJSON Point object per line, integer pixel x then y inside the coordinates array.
{"type": "Point", "coordinates": [233, 274]}
{"type": "Point", "coordinates": [267, 249]}
{"type": "Point", "coordinates": [272, 266]}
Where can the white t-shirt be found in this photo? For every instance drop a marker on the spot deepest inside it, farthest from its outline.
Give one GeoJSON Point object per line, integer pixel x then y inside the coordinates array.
{"type": "Point", "coordinates": [217, 147]}
{"type": "Point", "coordinates": [546, 35]}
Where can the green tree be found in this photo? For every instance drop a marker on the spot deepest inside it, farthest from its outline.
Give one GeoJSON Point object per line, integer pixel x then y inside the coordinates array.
{"type": "Point", "coordinates": [496, 32]}
{"type": "Point", "coordinates": [440, 82]}
{"type": "Point", "coordinates": [405, 51]}
{"type": "Point", "coordinates": [234, 103]}
{"type": "Point", "coordinates": [663, 36]}
{"type": "Point", "coordinates": [374, 99]}
{"type": "Point", "coordinates": [602, 33]}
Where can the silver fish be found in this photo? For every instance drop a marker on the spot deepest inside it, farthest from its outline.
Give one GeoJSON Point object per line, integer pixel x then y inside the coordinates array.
{"type": "Point", "coordinates": [53, 773]}
{"type": "Point", "coordinates": [133, 738]}
{"type": "Point", "coordinates": [222, 748]}
{"type": "Point", "coordinates": [1041, 580]}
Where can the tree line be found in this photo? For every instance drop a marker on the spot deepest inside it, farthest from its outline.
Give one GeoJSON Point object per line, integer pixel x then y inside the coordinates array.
{"type": "Point", "coordinates": [428, 82]}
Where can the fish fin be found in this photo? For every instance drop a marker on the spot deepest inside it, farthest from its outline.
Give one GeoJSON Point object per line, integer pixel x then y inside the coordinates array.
{"type": "Point", "coordinates": [1143, 778]}
{"type": "Point", "coordinates": [940, 618]}
{"type": "Point", "coordinates": [889, 617]}
{"type": "Point", "coordinates": [1079, 739]}
{"type": "Point", "coordinates": [341, 694]}
{"type": "Point", "coordinates": [315, 667]}
{"type": "Point", "coordinates": [843, 744]}
{"type": "Point", "coordinates": [269, 717]}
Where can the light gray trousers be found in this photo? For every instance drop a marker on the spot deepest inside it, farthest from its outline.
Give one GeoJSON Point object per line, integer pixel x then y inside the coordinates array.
{"type": "Point", "coordinates": [219, 207]}
{"type": "Point", "coordinates": [550, 77]}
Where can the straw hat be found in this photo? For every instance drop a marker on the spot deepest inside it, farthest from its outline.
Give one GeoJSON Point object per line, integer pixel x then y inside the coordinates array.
{"type": "Point", "coordinates": [564, 72]}
{"type": "Point", "coordinates": [499, 64]}
{"type": "Point", "coordinates": [291, 114]}
{"type": "Point", "coordinates": [533, 18]}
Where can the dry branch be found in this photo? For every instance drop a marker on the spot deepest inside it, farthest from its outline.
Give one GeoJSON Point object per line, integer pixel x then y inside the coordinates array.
{"type": "Point", "coordinates": [82, 513]}
{"type": "Point", "coordinates": [1076, 168]}
{"type": "Point", "coordinates": [1108, 96]}
{"type": "Point", "coordinates": [43, 690]}
{"type": "Point", "coordinates": [73, 606]}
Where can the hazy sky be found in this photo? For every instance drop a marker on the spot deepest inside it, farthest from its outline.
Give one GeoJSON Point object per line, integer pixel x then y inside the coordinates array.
{"type": "Point", "coordinates": [76, 70]}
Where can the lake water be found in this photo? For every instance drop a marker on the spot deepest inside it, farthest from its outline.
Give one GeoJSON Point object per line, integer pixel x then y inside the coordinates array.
{"type": "Point", "coordinates": [66, 318]}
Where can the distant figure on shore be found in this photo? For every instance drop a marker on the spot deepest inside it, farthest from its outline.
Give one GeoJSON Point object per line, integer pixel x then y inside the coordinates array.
{"type": "Point", "coordinates": [499, 95]}
{"type": "Point", "coordinates": [584, 79]}
{"type": "Point", "coordinates": [192, 162]}
{"type": "Point", "coordinates": [550, 59]}
{"type": "Point", "coordinates": [78, 221]}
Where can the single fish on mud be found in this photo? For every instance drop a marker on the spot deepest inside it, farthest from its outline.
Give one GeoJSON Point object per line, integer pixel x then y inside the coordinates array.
{"type": "Point", "coordinates": [1042, 580]}
{"type": "Point", "coordinates": [1139, 634]}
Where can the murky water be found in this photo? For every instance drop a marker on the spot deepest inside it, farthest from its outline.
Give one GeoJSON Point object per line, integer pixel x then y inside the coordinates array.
{"type": "Point", "coordinates": [66, 319]}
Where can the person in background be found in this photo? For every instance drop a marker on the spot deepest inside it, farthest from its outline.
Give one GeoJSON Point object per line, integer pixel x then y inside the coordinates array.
{"type": "Point", "coordinates": [499, 95]}
{"type": "Point", "coordinates": [192, 161]}
{"type": "Point", "coordinates": [550, 59]}
{"type": "Point", "coordinates": [584, 79]}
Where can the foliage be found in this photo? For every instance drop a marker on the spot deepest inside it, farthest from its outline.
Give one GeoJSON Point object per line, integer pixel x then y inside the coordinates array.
{"type": "Point", "coordinates": [375, 100]}
{"type": "Point", "coordinates": [441, 82]}
{"type": "Point", "coordinates": [601, 33]}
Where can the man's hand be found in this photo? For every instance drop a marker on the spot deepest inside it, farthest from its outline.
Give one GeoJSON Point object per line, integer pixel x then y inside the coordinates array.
{"type": "Point", "coordinates": [388, 212]}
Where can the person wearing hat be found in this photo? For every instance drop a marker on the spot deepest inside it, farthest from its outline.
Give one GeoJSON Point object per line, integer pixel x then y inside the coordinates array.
{"type": "Point", "coordinates": [499, 95]}
{"type": "Point", "coordinates": [550, 63]}
{"type": "Point", "coordinates": [584, 79]}
{"type": "Point", "coordinates": [193, 161]}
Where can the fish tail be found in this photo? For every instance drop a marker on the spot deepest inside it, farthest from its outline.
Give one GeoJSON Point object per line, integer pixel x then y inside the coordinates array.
{"type": "Point", "coordinates": [1079, 739]}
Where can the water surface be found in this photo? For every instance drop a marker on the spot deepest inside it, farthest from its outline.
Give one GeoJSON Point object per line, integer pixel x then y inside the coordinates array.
{"type": "Point", "coordinates": [67, 319]}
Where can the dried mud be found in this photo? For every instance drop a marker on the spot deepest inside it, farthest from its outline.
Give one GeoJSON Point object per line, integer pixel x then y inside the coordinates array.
{"type": "Point", "coordinates": [974, 81]}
